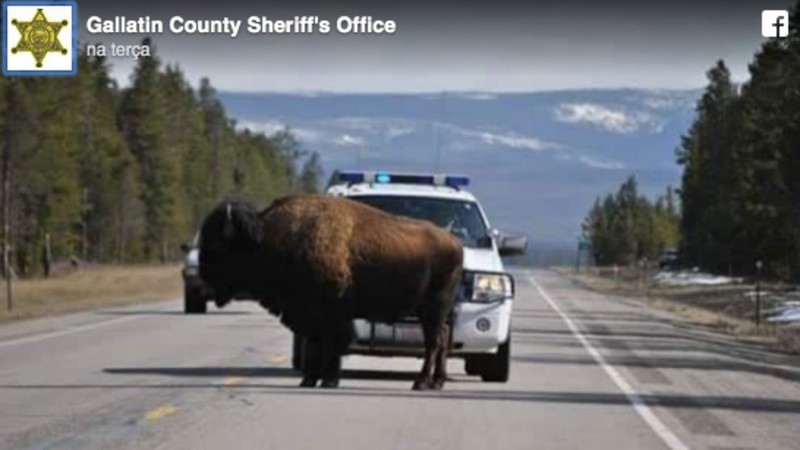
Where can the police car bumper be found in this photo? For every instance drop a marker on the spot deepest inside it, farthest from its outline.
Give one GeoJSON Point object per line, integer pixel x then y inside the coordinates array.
{"type": "Point", "coordinates": [477, 328]}
{"type": "Point", "coordinates": [481, 327]}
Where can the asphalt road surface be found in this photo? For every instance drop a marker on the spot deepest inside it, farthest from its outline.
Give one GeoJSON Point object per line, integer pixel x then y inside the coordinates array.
{"type": "Point", "coordinates": [589, 371]}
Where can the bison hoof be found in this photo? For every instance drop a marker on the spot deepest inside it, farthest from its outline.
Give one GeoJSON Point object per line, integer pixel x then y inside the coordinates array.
{"type": "Point", "coordinates": [329, 384]}
{"type": "Point", "coordinates": [308, 382]}
{"type": "Point", "coordinates": [421, 385]}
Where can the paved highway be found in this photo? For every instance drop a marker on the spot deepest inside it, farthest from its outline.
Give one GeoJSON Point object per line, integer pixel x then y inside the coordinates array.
{"type": "Point", "coordinates": [589, 371]}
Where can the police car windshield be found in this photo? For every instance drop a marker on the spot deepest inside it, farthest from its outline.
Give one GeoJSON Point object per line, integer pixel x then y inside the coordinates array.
{"type": "Point", "coordinates": [461, 218]}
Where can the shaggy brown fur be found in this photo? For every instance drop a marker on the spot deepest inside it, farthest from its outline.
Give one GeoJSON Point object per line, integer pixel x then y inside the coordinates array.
{"type": "Point", "coordinates": [319, 262]}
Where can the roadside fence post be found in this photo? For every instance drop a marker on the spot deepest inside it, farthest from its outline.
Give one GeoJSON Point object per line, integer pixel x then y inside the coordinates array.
{"type": "Point", "coordinates": [759, 265]}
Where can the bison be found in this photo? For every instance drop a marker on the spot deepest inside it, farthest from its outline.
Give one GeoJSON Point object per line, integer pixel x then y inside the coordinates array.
{"type": "Point", "coordinates": [319, 262]}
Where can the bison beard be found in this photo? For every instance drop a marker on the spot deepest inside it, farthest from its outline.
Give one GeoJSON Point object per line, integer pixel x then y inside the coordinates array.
{"type": "Point", "coordinates": [320, 262]}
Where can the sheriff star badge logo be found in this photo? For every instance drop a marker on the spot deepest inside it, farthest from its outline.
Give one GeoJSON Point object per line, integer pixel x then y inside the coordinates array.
{"type": "Point", "coordinates": [39, 37]}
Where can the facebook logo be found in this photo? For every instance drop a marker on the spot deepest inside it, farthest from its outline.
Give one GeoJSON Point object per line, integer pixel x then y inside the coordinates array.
{"type": "Point", "coordinates": [774, 23]}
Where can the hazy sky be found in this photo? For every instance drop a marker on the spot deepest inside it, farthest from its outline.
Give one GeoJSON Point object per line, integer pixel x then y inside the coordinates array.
{"type": "Point", "coordinates": [460, 46]}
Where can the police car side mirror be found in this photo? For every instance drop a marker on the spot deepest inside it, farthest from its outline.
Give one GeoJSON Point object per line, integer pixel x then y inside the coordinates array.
{"type": "Point", "coordinates": [492, 236]}
{"type": "Point", "coordinates": [511, 245]}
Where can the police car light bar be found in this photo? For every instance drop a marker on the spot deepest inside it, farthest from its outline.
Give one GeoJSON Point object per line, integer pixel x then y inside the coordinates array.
{"type": "Point", "coordinates": [351, 177]}
{"type": "Point", "coordinates": [454, 181]}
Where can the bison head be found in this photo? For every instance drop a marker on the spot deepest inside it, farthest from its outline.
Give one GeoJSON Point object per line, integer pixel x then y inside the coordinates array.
{"type": "Point", "coordinates": [229, 248]}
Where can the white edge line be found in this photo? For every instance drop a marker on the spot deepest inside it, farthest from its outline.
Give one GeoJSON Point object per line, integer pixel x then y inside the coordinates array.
{"type": "Point", "coordinates": [670, 438]}
{"type": "Point", "coordinates": [77, 329]}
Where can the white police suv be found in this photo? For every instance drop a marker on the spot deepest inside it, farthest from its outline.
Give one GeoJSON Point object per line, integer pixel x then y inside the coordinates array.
{"type": "Point", "coordinates": [481, 332]}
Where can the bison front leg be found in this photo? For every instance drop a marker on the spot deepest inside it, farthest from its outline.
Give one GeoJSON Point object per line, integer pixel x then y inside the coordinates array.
{"type": "Point", "coordinates": [336, 342]}
{"type": "Point", "coordinates": [312, 368]}
{"type": "Point", "coordinates": [331, 365]}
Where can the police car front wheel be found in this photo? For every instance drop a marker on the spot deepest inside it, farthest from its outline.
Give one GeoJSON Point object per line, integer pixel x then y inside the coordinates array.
{"type": "Point", "coordinates": [495, 367]}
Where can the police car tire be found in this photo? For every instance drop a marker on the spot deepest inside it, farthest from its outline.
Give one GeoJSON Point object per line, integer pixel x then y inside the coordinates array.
{"type": "Point", "coordinates": [497, 367]}
{"type": "Point", "coordinates": [298, 352]}
{"type": "Point", "coordinates": [472, 365]}
{"type": "Point", "coordinates": [192, 302]}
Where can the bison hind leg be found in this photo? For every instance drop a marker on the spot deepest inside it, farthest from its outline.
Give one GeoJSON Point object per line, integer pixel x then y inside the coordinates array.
{"type": "Point", "coordinates": [431, 325]}
{"type": "Point", "coordinates": [440, 372]}
{"type": "Point", "coordinates": [434, 317]}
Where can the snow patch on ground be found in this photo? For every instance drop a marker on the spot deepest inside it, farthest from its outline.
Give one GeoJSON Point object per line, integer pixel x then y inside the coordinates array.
{"type": "Point", "coordinates": [790, 313]}
{"type": "Point", "coordinates": [693, 278]}
{"type": "Point", "coordinates": [789, 309]}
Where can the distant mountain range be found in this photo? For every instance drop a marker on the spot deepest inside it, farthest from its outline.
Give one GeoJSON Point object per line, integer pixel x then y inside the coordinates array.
{"type": "Point", "coordinates": [537, 160]}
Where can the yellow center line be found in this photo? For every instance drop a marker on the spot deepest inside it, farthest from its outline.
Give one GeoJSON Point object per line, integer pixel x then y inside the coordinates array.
{"type": "Point", "coordinates": [232, 381]}
{"type": "Point", "coordinates": [160, 412]}
{"type": "Point", "coordinates": [279, 359]}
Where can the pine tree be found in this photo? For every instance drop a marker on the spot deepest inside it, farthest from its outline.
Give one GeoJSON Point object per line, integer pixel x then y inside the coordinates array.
{"type": "Point", "coordinates": [770, 136]}
{"type": "Point", "coordinates": [740, 191]}
{"type": "Point", "coordinates": [217, 135]}
{"type": "Point", "coordinates": [125, 175]}
{"type": "Point", "coordinates": [144, 125]}
{"type": "Point", "coordinates": [711, 181]}
{"type": "Point", "coordinates": [310, 174]}
{"type": "Point", "coordinates": [626, 228]}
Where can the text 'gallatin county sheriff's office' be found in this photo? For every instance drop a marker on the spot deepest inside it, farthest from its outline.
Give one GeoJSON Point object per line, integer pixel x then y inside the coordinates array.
{"type": "Point", "coordinates": [232, 27]}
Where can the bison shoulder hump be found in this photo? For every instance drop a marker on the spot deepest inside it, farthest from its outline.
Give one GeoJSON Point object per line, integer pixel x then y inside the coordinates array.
{"type": "Point", "coordinates": [317, 232]}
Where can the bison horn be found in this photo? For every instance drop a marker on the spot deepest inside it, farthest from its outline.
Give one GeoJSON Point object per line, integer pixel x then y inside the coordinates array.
{"type": "Point", "coordinates": [228, 229]}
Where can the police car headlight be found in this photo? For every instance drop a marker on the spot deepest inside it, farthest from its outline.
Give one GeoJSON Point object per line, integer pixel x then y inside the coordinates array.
{"type": "Point", "coordinates": [491, 287]}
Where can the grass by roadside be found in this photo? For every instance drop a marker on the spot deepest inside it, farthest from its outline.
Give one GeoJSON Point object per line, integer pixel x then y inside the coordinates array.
{"type": "Point", "coordinates": [91, 287]}
{"type": "Point", "coordinates": [722, 308]}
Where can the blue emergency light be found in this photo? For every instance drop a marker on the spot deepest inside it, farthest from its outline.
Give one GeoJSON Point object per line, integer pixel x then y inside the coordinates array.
{"type": "Point", "coordinates": [453, 181]}
{"type": "Point", "coordinates": [383, 178]}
